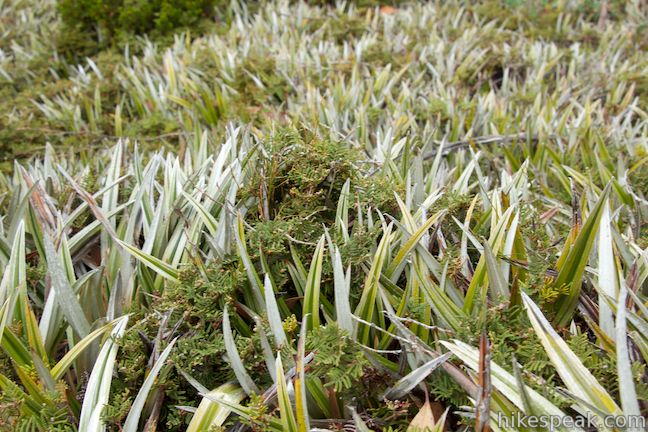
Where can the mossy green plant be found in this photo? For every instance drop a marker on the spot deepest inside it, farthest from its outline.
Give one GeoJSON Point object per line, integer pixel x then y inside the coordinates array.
{"type": "Point", "coordinates": [339, 361]}
{"type": "Point", "coordinates": [89, 25]}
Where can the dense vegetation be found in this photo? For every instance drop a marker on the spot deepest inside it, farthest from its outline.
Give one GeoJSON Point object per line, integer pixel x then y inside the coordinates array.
{"type": "Point", "coordinates": [89, 25]}
{"type": "Point", "coordinates": [318, 216]}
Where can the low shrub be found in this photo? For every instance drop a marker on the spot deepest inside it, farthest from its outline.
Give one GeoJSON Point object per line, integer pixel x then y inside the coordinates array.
{"type": "Point", "coordinates": [90, 25]}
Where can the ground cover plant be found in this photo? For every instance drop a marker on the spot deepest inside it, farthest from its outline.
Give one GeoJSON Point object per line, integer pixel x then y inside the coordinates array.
{"type": "Point", "coordinates": [299, 216]}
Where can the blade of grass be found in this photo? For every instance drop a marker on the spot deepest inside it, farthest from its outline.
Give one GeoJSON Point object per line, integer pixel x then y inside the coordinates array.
{"type": "Point", "coordinates": [132, 420]}
{"type": "Point", "coordinates": [406, 384]}
{"type": "Point", "coordinates": [288, 422]}
{"type": "Point", "coordinates": [301, 402]}
{"type": "Point", "coordinates": [65, 295]}
{"type": "Point", "coordinates": [98, 389]}
{"type": "Point", "coordinates": [341, 286]}
{"type": "Point", "coordinates": [607, 273]}
{"type": "Point", "coordinates": [234, 358]}
{"type": "Point", "coordinates": [504, 382]}
{"type": "Point", "coordinates": [312, 289]}
{"type": "Point", "coordinates": [367, 306]}
{"type": "Point", "coordinates": [576, 377]}
{"type": "Point", "coordinates": [571, 272]}
{"type": "Point", "coordinates": [274, 317]}
{"type": "Point", "coordinates": [62, 366]}
{"type": "Point", "coordinates": [154, 263]}
{"type": "Point", "coordinates": [211, 415]}
{"type": "Point", "coordinates": [627, 391]}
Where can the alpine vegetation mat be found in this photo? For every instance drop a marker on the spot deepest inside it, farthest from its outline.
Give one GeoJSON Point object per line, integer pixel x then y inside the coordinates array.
{"type": "Point", "coordinates": [358, 216]}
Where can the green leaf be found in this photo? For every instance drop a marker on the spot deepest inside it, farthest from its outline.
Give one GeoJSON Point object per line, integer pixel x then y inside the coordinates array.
{"type": "Point", "coordinates": [210, 222]}
{"type": "Point", "coordinates": [608, 281]}
{"type": "Point", "coordinates": [253, 276]}
{"type": "Point", "coordinates": [406, 384]}
{"type": "Point", "coordinates": [274, 317]}
{"type": "Point", "coordinates": [32, 331]}
{"type": "Point", "coordinates": [479, 282]}
{"type": "Point", "coordinates": [627, 390]}
{"type": "Point", "coordinates": [274, 425]}
{"type": "Point", "coordinates": [301, 402]}
{"type": "Point", "coordinates": [411, 243]}
{"type": "Point", "coordinates": [65, 295]}
{"type": "Point", "coordinates": [14, 278]}
{"type": "Point", "coordinates": [312, 289]}
{"type": "Point", "coordinates": [367, 306]}
{"type": "Point", "coordinates": [342, 212]}
{"type": "Point", "coordinates": [16, 349]}
{"type": "Point", "coordinates": [504, 382]}
{"type": "Point", "coordinates": [98, 389]}
{"type": "Point", "coordinates": [574, 374]}
{"type": "Point", "coordinates": [495, 277]}
{"type": "Point", "coordinates": [10, 388]}
{"type": "Point", "coordinates": [571, 272]}
{"type": "Point", "coordinates": [132, 420]}
{"type": "Point", "coordinates": [211, 414]}
{"type": "Point", "coordinates": [342, 288]}
{"type": "Point", "coordinates": [155, 264]}
{"type": "Point", "coordinates": [62, 366]}
{"type": "Point", "coordinates": [288, 421]}
{"type": "Point", "coordinates": [234, 358]}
